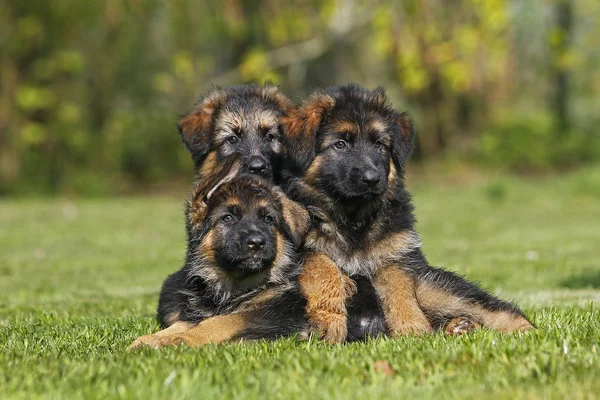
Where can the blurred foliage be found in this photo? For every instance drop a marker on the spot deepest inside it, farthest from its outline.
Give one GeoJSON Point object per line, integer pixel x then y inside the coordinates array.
{"type": "Point", "coordinates": [531, 141]}
{"type": "Point", "coordinates": [90, 92]}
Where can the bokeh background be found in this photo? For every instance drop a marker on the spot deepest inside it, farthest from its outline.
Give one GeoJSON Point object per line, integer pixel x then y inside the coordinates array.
{"type": "Point", "coordinates": [91, 90]}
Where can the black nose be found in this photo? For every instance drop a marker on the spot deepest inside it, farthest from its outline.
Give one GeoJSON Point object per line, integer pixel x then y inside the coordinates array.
{"type": "Point", "coordinates": [255, 241]}
{"type": "Point", "coordinates": [371, 177]}
{"type": "Point", "coordinates": [257, 164]}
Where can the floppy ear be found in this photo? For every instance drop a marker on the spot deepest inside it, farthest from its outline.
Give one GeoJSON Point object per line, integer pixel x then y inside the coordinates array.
{"type": "Point", "coordinates": [271, 92]}
{"type": "Point", "coordinates": [403, 140]}
{"type": "Point", "coordinates": [196, 127]}
{"type": "Point", "coordinates": [296, 219]}
{"type": "Point", "coordinates": [195, 212]}
{"type": "Point", "coordinates": [301, 130]}
{"type": "Point", "coordinates": [204, 187]}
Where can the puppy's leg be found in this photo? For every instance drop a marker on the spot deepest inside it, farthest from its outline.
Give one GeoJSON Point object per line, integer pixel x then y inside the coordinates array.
{"type": "Point", "coordinates": [326, 290]}
{"type": "Point", "coordinates": [274, 313]}
{"type": "Point", "coordinates": [396, 291]}
{"type": "Point", "coordinates": [443, 292]}
{"type": "Point", "coordinates": [460, 326]}
{"type": "Point", "coordinates": [154, 340]}
{"type": "Point", "coordinates": [217, 329]}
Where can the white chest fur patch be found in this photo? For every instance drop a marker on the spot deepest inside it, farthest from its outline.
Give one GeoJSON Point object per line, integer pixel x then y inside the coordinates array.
{"type": "Point", "coordinates": [361, 261]}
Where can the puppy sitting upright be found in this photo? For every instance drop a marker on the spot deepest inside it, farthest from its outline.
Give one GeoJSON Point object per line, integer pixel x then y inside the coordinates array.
{"type": "Point", "coordinates": [239, 279]}
{"type": "Point", "coordinates": [241, 120]}
{"type": "Point", "coordinates": [348, 149]}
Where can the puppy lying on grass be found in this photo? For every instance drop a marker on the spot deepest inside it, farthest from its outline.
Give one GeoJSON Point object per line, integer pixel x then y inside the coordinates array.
{"type": "Point", "coordinates": [348, 150]}
{"type": "Point", "coordinates": [240, 276]}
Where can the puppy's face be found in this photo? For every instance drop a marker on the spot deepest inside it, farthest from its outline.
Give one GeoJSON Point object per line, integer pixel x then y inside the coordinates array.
{"type": "Point", "coordinates": [353, 155]}
{"type": "Point", "coordinates": [243, 120]}
{"type": "Point", "coordinates": [246, 232]}
{"type": "Point", "coordinates": [252, 230]}
{"type": "Point", "coordinates": [358, 142]}
{"type": "Point", "coordinates": [251, 130]}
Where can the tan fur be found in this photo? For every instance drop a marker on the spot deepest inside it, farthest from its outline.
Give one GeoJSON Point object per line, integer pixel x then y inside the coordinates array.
{"type": "Point", "coordinates": [283, 103]}
{"type": "Point", "coordinates": [396, 291]}
{"type": "Point", "coordinates": [201, 118]}
{"type": "Point", "coordinates": [232, 202]}
{"type": "Point", "coordinates": [312, 173]}
{"type": "Point", "coordinates": [326, 291]}
{"type": "Point", "coordinates": [306, 120]}
{"type": "Point", "coordinates": [377, 125]}
{"type": "Point", "coordinates": [364, 261]}
{"type": "Point", "coordinates": [460, 326]}
{"type": "Point", "coordinates": [217, 329]}
{"type": "Point", "coordinates": [405, 125]}
{"type": "Point", "coordinates": [155, 340]}
{"type": "Point", "coordinates": [173, 318]}
{"type": "Point", "coordinates": [392, 175]}
{"type": "Point", "coordinates": [345, 127]}
{"type": "Point", "coordinates": [431, 297]}
{"type": "Point", "coordinates": [208, 166]}
{"type": "Point", "coordinates": [295, 216]}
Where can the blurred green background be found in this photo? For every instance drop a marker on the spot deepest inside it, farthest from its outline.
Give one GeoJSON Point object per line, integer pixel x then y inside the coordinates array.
{"type": "Point", "coordinates": [91, 90]}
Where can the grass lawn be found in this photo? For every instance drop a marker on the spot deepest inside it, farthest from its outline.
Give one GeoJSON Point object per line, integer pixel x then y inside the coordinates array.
{"type": "Point", "coordinates": [79, 280]}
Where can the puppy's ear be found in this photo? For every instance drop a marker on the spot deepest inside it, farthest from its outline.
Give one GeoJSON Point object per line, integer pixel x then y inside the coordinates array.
{"type": "Point", "coordinates": [204, 187]}
{"type": "Point", "coordinates": [302, 127]}
{"type": "Point", "coordinates": [195, 213]}
{"type": "Point", "coordinates": [271, 92]}
{"type": "Point", "coordinates": [296, 219]}
{"type": "Point", "coordinates": [196, 127]}
{"type": "Point", "coordinates": [403, 139]}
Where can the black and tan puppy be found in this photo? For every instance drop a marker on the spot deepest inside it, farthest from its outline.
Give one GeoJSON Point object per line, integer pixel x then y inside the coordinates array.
{"type": "Point", "coordinates": [348, 150]}
{"type": "Point", "coordinates": [240, 277]}
{"type": "Point", "coordinates": [241, 120]}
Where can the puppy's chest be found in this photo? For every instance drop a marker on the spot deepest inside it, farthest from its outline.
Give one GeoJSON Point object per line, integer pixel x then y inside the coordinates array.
{"type": "Point", "coordinates": [361, 257]}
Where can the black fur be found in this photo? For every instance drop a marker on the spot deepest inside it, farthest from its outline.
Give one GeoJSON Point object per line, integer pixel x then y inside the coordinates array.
{"type": "Point", "coordinates": [220, 284]}
{"type": "Point", "coordinates": [365, 315]}
{"type": "Point", "coordinates": [365, 214]}
{"type": "Point", "coordinates": [459, 286]}
{"type": "Point", "coordinates": [251, 115]}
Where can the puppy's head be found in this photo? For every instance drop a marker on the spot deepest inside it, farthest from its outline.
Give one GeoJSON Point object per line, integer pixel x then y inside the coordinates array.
{"type": "Point", "coordinates": [250, 233]}
{"type": "Point", "coordinates": [244, 120]}
{"type": "Point", "coordinates": [349, 142]}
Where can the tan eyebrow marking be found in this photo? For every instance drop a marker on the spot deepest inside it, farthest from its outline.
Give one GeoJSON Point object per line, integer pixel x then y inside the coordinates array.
{"type": "Point", "coordinates": [232, 202]}
{"type": "Point", "coordinates": [267, 119]}
{"type": "Point", "coordinates": [377, 125]}
{"type": "Point", "coordinates": [230, 119]}
{"type": "Point", "coordinates": [345, 126]}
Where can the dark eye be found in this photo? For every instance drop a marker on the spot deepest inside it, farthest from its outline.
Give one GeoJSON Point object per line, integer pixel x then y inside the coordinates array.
{"type": "Point", "coordinates": [269, 137]}
{"type": "Point", "coordinates": [268, 219]}
{"type": "Point", "coordinates": [340, 144]}
{"type": "Point", "coordinates": [379, 144]}
{"type": "Point", "coordinates": [227, 218]}
{"type": "Point", "coordinates": [233, 139]}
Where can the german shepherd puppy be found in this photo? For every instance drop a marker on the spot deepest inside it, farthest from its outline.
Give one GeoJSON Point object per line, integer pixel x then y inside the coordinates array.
{"type": "Point", "coordinates": [239, 280]}
{"type": "Point", "coordinates": [241, 120]}
{"type": "Point", "coordinates": [347, 153]}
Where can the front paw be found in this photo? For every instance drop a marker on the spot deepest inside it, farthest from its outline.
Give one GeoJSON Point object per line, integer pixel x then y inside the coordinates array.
{"type": "Point", "coordinates": [152, 341]}
{"type": "Point", "coordinates": [460, 326]}
{"type": "Point", "coordinates": [330, 326]}
{"type": "Point", "coordinates": [414, 327]}
{"type": "Point", "coordinates": [174, 340]}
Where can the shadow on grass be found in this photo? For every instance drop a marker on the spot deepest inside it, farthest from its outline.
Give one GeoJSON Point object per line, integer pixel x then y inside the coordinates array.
{"type": "Point", "coordinates": [587, 279]}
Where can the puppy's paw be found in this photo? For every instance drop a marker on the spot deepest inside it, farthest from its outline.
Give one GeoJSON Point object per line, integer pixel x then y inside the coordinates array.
{"type": "Point", "coordinates": [330, 326]}
{"type": "Point", "coordinates": [416, 326]}
{"type": "Point", "coordinates": [177, 339]}
{"type": "Point", "coordinates": [152, 341]}
{"type": "Point", "coordinates": [460, 326]}
{"type": "Point", "coordinates": [349, 286]}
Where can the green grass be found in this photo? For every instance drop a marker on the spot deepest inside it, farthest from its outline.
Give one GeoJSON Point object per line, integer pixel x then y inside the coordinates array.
{"type": "Point", "coordinates": [79, 281]}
